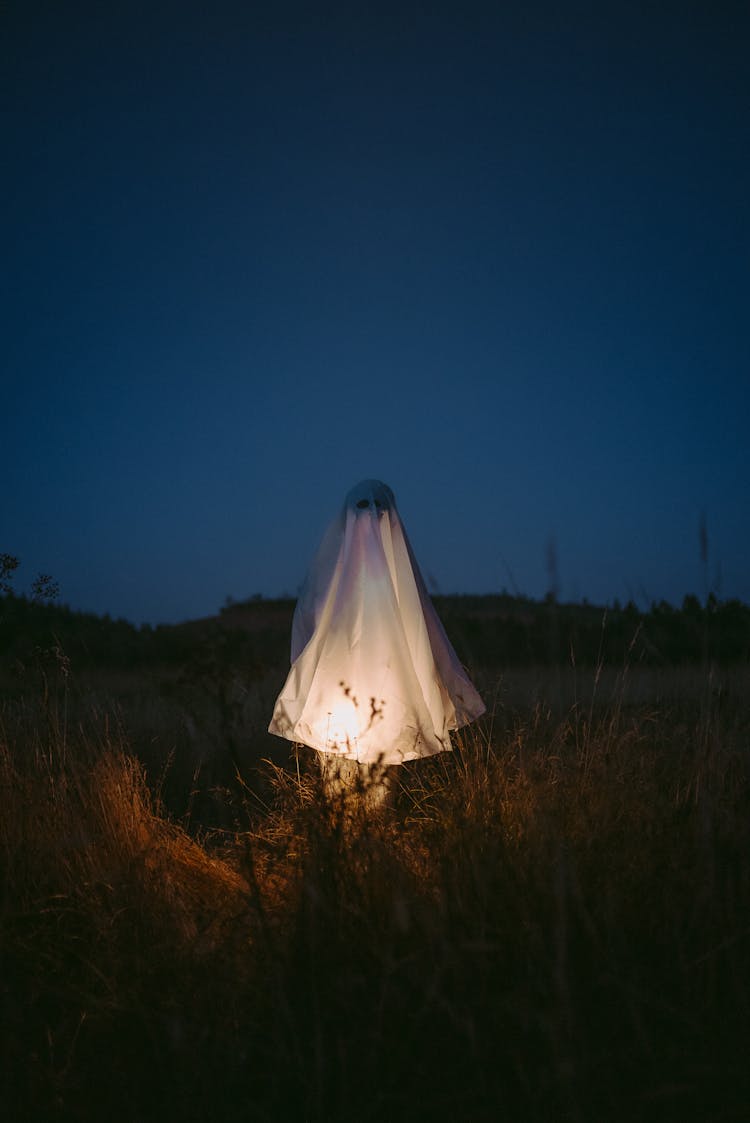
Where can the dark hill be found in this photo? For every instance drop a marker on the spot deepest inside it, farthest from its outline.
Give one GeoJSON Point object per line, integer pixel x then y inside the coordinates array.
{"type": "Point", "coordinates": [495, 630]}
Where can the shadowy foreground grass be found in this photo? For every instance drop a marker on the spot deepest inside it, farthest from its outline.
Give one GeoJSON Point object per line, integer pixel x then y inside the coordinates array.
{"type": "Point", "coordinates": [550, 923]}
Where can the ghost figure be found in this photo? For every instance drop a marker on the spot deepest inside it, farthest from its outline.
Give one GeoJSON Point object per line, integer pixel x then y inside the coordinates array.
{"type": "Point", "coordinates": [374, 678]}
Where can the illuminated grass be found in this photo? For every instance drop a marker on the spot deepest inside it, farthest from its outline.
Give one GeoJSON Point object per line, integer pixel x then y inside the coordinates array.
{"type": "Point", "coordinates": [553, 922]}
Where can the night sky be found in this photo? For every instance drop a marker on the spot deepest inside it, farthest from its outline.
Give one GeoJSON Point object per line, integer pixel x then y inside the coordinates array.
{"type": "Point", "coordinates": [493, 254]}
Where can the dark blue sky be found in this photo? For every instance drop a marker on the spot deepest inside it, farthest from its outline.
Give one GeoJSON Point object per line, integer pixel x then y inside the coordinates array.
{"type": "Point", "coordinates": [494, 254]}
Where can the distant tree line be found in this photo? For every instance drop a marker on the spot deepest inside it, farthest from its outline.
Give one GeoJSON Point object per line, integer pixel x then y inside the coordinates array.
{"type": "Point", "coordinates": [493, 631]}
{"type": "Point", "coordinates": [509, 630]}
{"type": "Point", "coordinates": [28, 628]}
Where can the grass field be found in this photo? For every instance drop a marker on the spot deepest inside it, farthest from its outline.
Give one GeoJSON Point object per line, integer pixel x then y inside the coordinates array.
{"type": "Point", "coordinates": [550, 923]}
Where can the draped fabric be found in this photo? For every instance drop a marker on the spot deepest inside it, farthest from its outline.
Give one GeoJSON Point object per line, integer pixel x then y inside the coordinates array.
{"type": "Point", "coordinates": [374, 676]}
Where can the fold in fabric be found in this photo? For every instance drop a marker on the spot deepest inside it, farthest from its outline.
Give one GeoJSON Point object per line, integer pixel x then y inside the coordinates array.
{"type": "Point", "coordinates": [374, 676]}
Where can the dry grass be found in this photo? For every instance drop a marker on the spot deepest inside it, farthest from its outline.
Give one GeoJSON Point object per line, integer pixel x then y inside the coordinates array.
{"type": "Point", "coordinates": [553, 922]}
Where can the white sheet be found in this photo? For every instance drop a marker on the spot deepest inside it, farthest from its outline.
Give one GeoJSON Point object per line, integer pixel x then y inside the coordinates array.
{"type": "Point", "coordinates": [374, 676]}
